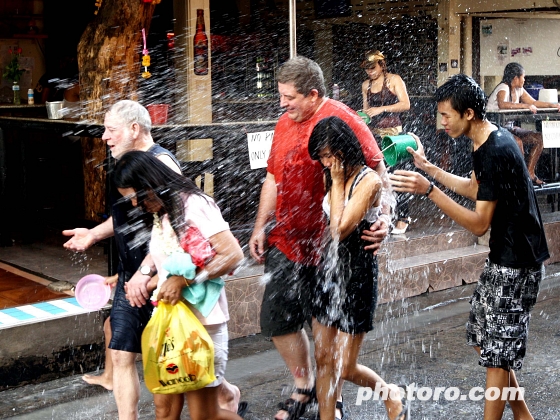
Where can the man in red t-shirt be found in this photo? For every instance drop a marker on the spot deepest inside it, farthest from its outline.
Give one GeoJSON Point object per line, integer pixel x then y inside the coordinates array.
{"type": "Point", "coordinates": [291, 195]}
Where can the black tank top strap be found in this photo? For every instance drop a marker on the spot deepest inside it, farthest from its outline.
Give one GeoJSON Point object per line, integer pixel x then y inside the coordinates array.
{"type": "Point", "coordinates": [158, 150]}
{"type": "Point", "coordinates": [358, 178]}
{"type": "Point", "coordinates": [381, 98]}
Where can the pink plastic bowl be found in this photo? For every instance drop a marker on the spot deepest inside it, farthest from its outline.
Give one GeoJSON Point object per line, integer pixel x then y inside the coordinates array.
{"type": "Point", "coordinates": [92, 293]}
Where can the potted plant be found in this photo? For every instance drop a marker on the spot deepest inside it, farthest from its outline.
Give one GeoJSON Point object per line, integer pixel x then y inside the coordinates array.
{"type": "Point", "coordinates": [13, 72]}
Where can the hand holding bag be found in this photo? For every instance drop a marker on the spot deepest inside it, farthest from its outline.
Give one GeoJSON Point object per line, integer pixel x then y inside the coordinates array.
{"type": "Point", "coordinates": [177, 352]}
{"type": "Point", "coordinates": [202, 296]}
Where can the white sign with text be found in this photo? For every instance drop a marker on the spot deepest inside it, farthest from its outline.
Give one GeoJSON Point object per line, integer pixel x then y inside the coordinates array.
{"type": "Point", "coordinates": [259, 148]}
{"type": "Point", "coordinates": [551, 133]}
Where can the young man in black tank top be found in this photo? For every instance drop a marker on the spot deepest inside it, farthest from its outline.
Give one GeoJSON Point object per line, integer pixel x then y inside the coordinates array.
{"type": "Point", "coordinates": [505, 201]}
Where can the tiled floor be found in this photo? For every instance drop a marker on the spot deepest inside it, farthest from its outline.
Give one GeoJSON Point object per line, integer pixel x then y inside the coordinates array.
{"type": "Point", "coordinates": [27, 270]}
{"type": "Point", "coordinates": [52, 262]}
{"type": "Point", "coordinates": [16, 290]}
{"type": "Point", "coordinates": [25, 299]}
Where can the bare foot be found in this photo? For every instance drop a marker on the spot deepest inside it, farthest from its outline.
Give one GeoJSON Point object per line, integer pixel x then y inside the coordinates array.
{"type": "Point", "coordinates": [401, 224]}
{"type": "Point", "coordinates": [400, 227]}
{"type": "Point", "coordinates": [101, 380]}
{"type": "Point", "coordinates": [394, 404]}
{"type": "Point", "coordinates": [228, 396]}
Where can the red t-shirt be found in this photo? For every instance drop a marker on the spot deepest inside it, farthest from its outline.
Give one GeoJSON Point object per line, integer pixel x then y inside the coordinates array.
{"type": "Point", "coordinates": [299, 181]}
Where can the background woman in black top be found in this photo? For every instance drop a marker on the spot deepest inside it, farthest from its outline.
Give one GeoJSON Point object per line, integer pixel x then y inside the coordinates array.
{"type": "Point", "coordinates": [384, 97]}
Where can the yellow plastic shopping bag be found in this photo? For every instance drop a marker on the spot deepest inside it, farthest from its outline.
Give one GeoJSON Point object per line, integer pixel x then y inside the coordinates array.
{"type": "Point", "coordinates": [177, 352]}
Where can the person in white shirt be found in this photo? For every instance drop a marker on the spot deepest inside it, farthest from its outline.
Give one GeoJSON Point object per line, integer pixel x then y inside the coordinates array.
{"type": "Point", "coordinates": [510, 94]}
{"type": "Point", "coordinates": [177, 204]}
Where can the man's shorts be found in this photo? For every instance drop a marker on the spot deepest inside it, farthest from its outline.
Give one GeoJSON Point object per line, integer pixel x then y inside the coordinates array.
{"type": "Point", "coordinates": [500, 314]}
{"type": "Point", "coordinates": [286, 302]}
{"type": "Point", "coordinates": [127, 322]}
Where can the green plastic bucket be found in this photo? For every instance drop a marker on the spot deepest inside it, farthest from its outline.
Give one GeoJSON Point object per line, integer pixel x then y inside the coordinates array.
{"type": "Point", "coordinates": [364, 116]}
{"type": "Point", "coordinates": [394, 148]}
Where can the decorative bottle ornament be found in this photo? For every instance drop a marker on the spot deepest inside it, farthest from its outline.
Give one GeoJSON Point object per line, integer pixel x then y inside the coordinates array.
{"type": "Point", "coordinates": [336, 92]}
{"type": "Point", "coordinates": [145, 57]}
{"type": "Point", "coordinates": [200, 45]}
{"type": "Point", "coordinates": [17, 99]}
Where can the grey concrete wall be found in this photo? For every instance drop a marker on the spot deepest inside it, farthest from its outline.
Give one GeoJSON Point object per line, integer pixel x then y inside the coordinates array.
{"type": "Point", "coordinates": [51, 349]}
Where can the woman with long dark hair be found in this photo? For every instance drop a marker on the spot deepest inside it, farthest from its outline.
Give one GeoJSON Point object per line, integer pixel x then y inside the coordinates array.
{"type": "Point", "coordinates": [345, 293]}
{"type": "Point", "coordinates": [510, 94]}
{"type": "Point", "coordinates": [178, 205]}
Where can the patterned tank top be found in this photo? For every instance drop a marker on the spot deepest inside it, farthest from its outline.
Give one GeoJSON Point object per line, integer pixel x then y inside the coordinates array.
{"type": "Point", "coordinates": [383, 98]}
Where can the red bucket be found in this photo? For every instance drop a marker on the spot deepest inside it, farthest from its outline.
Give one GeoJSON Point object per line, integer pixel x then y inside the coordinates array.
{"type": "Point", "coordinates": [158, 113]}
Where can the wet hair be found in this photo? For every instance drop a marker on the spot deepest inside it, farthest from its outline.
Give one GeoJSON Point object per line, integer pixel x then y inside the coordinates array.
{"type": "Point", "coordinates": [511, 71]}
{"type": "Point", "coordinates": [304, 74]}
{"type": "Point", "coordinates": [132, 112]}
{"type": "Point", "coordinates": [335, 134]}
{"type": "Point", "coordinates": [463, 93]}
{"type": "Point", "coordinates": [383, 65]}
{"type": "Point", "coordinates": [144, 172]}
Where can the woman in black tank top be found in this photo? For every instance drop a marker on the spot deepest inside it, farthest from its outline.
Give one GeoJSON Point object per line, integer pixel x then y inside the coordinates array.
{"type": "Point", "coordinates": [384, 98]}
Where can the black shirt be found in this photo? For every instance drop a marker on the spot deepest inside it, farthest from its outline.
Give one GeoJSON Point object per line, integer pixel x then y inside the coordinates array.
{"type": "Point", "coordinates": [517, 237]}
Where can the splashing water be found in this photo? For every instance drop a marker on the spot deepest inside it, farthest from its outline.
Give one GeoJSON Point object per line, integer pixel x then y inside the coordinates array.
{"type": "Point", "coordinates": [81, 260]}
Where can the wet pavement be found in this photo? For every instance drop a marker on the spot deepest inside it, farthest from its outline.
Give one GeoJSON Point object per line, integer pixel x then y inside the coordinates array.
{"type": "Point", "coordinates": [418, 340]}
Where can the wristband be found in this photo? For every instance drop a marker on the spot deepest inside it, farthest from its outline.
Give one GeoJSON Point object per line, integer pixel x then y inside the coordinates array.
{"type": "Point", "coordinates": [186, 282]}
{"type": "Point", "coordinates": [430, 188]}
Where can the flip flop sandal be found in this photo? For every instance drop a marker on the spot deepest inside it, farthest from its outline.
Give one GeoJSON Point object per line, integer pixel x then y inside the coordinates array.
{"type": "Point", "coordinates": [295, 409]}
{"type": "Point", "coordinates": [340, 406]}
{"type": "Point", "coordinates": [401, 231]}
{"type": "Point", "coordinates": [242, 408]}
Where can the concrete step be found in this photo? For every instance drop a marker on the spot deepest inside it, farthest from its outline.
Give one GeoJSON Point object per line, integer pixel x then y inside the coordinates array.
{"type": "Point", "coordinates": [400, 278]}
{"type": "Point", "coordinates": [423, 241]}
{"type": "Point", "coordinates": [427, 259]}
{"type": "Point", "coordinates": [48, 340]}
